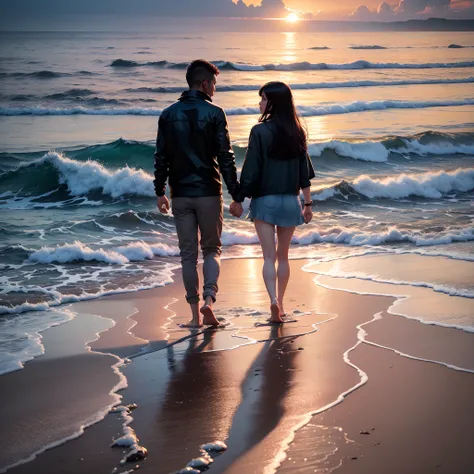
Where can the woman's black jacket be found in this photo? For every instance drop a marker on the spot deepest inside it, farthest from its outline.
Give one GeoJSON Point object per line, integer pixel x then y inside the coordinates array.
{"type": "Point", "coordinates": [263, 174]}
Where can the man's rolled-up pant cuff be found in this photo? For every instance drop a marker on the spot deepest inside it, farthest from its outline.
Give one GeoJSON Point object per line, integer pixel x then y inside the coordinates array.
{"type": "Point", "coordinates": [212, 294]}
{"type": "Point", "coordinates": [192, 299]}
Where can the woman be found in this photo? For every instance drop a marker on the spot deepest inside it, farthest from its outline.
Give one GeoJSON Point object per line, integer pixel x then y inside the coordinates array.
{"type": "Point", "coordinates": [275, 169]}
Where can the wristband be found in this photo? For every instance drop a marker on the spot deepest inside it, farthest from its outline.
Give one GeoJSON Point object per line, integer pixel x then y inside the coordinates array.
{"type": "Point", "coordinates": [308, 203]}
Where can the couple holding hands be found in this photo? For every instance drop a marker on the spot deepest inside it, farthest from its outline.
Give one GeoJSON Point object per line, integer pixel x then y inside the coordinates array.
{"type": "Point", "coordinates": [193, 149]}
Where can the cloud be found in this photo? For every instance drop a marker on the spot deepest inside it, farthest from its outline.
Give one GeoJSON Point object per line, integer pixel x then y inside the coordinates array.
{"type": "Point", "coordinates": [362, 13]}
{"type": "Point", "coordinates": [412, 7]}
{"type": "Point", "coordinates": [408, 9]}
{"type": "Point", "coordinates": [384, 10]}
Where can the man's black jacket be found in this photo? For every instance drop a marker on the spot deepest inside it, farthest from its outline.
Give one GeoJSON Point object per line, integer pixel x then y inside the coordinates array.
{"type": "Point", "coordinates": [192, 145]}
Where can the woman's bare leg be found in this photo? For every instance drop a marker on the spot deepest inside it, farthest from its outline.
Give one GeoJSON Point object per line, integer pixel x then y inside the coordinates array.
{"type": "Point", "coordinates": [284, 235]}
{"type": "Point", "coordinates": [266, 236]}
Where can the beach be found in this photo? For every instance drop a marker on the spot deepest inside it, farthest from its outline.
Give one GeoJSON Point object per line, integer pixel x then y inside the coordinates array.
{"type": "Point", "coordinates": [374, 374]}
{"type": "Point", "coordinates": [350, 385]}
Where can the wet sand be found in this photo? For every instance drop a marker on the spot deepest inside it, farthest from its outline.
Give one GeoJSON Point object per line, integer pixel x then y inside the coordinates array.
{"type": "Point", "coordinates": [252, 385]}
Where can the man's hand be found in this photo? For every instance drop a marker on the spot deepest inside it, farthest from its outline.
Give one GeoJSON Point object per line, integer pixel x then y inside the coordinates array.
{"type": "Point", "coordinates": [307, 214]}
{"type": "Point", "coordinates": [163, 204]}
{"type": "Point", "coordinates": [236, 208]}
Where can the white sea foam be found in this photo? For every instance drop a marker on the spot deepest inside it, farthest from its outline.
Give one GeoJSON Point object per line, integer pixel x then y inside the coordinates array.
{"type": "Point", "coordinates": [376, 151]}
{"type": "Point", "coordinates": [364, 106]}
{"type": "Point", "coordinates": [299, 66]}
{"type": "Point", "coordinates": [56, 298]}
{"type": "Point", "coordinates": [431, 185]}
{"type": "Point", "coordinates": [75, 252]}
{"type": "Point", "coordinates": [20, 338]}
{"type": "Point", "coordinates": [356, 237]}
{"type": "Point", "coordinates": [365, 151]}
{"type": "Point", "coordinates": [304, 110]}
{"type": "Point", "coordinates": [141, 251]}
{"type": "Point", "coordinates": [439, 148]}
{"type": "Point", "coordinates": [448, 290]}
{"type": "Point", "coordinates": [402, 307]}
{"type": "Point", "coordinates": [315, 85]}
{"type": "Point", "coordinates": [360, 64]}
{"type": "Point", "coordinates": [78, 251]}
{"type": "Point", "coordinates": [76, 426]}
{"type": "Point", "coordinates": [238, 237]}
{"type": "Point", "coordinates": [83, 177]}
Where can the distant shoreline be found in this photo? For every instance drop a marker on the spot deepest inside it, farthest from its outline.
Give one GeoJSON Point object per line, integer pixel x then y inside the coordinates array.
{"type": "Point", "coordinates": [431, 24]}
{"type": "Point", "coordinates": [78, 23]}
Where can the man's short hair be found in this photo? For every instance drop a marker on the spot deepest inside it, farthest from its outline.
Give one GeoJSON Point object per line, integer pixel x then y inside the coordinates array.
{"type": "Point", "coordinates": [199, 70]}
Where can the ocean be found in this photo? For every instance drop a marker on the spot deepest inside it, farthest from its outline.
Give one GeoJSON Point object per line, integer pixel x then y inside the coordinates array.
{"type": "Point", "coordinates": [390, 120]}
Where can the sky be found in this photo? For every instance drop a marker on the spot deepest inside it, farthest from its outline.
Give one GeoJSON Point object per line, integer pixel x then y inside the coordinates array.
{"type": "Point", "coordinates": [358, 10]}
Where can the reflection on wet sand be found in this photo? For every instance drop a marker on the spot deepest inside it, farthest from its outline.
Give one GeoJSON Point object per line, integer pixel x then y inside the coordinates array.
{"type": "Point", "coordinates": [215, 394]}
{"type": "Point", "coordinates": [264, 390]}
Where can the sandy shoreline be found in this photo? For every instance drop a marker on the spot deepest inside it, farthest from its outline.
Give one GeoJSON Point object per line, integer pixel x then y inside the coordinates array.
{"type": "Point", "coordinates": [250, 386]}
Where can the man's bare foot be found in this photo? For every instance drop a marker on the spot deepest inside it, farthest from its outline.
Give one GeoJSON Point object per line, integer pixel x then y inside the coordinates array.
{"type": "Point", "coordinates": [191, 324]}
{"type": "Point", "coordinates": [208, 316]}
{"type": "Point", "coordinates": [275, 316]}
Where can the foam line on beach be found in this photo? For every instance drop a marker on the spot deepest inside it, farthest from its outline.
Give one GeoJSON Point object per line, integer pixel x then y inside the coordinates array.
{"type": "Point", "coordinates": [58, 298]}
{"type": "Point", "coordinates": [281, 456]}
{"type": "Point", "coordinates": [441, 253]}
{"type": "Point", "coordinates": [304, 110]}
{"type": "Point", "coordinates": [447, 290]}
{"type": "Point", "coordinates": [258, 341]}
{"type": "Point", "coordinates": [381, 251]}
{"type": "Point", "coordinates": [409, 356]}
{"type": "Point", "coordinates": [27, 330]}
{"type": "Point", "coordinates": [362, 339]}
{"type": "Point", "coordinates": [96, 417]}
{"type": "Point", "coordinates": [399, 298]}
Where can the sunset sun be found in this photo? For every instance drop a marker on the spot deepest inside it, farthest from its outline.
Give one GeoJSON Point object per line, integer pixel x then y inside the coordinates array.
{"type": "Point", "coordinates": [292, 18]}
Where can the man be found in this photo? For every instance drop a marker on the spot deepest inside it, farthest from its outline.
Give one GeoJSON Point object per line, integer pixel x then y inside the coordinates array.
{"type": "Point", "coordinates": [192, 147]}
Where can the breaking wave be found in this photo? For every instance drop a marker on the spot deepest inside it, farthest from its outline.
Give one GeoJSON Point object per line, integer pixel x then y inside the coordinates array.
{"type": "Point", "coordinates": [304, 110]}
{"type": "Point", "coordinates": [311, 85]}
{"type": "Point", "coordinates": [300, 66]}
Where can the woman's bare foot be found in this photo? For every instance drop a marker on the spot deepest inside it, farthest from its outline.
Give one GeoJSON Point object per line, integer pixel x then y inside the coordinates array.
{"type": "Point", "coordinates": [208, 316]}
{"type": "Point", "coordinates": [275, 316]}
{"type": "Point", "coordinates": [282, 311]}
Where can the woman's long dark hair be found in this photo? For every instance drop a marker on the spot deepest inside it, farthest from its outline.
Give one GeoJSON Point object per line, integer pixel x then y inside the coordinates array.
{"type": "Point", "coordinates": [289, 140]}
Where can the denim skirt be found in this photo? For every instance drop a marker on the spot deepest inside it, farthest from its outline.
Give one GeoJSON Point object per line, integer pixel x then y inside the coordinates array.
{"type": "Point", "coordinates": [283, 210]}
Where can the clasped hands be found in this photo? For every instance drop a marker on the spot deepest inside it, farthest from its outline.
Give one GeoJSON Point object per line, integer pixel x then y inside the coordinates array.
{"type": "Point", "coordinates": [163, 205]}
{"type": "Point", "coordinates": [236, 208]}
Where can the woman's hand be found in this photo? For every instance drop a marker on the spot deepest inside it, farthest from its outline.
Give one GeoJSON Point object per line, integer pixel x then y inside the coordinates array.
{"type": "Point", "coordinates": [236, 209]}
{"type": "Point", "coordinates": [307, 214]}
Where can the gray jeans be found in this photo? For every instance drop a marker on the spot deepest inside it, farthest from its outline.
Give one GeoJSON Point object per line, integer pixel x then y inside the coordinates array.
{"type": "Point", "coordinates": [194, 216]}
